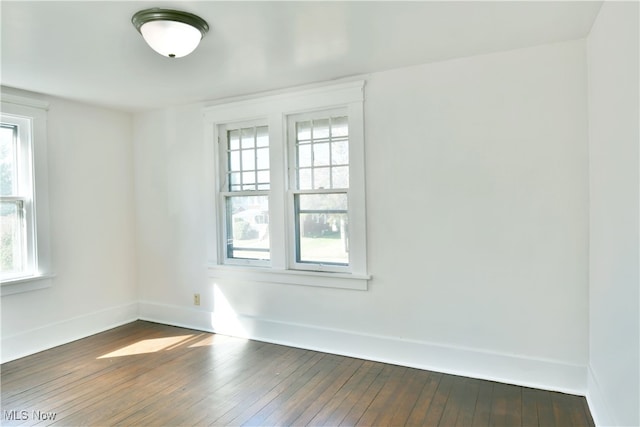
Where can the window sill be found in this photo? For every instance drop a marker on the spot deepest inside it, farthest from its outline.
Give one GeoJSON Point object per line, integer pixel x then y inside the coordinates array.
{"type": "Point", "coordinates": [291, 277]}
{"type": "Point", "coordinates": [25, 284]}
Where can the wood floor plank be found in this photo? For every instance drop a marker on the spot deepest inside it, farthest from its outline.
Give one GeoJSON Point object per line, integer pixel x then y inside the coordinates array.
{"type": "Point", "coordinates": [482, 411]}
{"type": "Point", "coordinates": [334, 412]}
{"type": "Point", "coordinates": [545, 409]}
{"type": "Point", "coordinates": [188, 389]}
{"type": "Point", "coordinates": [36, 370]}
{"type": "Point", "coordinates": [279, 391]}
{"type": "Point", "coordinates": [150, 374]}
{"type": "Point", "coordinates": [421, 408]}
{"type": "Point", "coordinates": [383, 403]}
{"type": "Point", "coordinates": [529, 408]}
{"type": "Point", "coordinates": [222, 397]}
{"type": "Point", "coordinates": [362, 402]}
{"type": "Point", "coordinates": [136, 382]}
{"type": "Point", "coordinates": [467, 402]}
{"type": "Point", "coordinates": [568, 410]}
{"type": "Point", "coordinates": [506, 406]}
{"type": "Point", "coordinates": [260, 386]}
{"type": "Point", "coordinates": [231, 399]}
{"type": "Point", "coordinates": [454, 402]}
{"type": "Point", "coordinates": [286, 400]}
{"type": "Point", "coordinates": [407, 398]}
{"type": "Point", "coordinates": [314, 402]}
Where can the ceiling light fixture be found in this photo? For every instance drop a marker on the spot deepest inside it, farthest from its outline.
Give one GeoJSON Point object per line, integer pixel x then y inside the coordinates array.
{"type": "Point", "coordinates": [171, 33]}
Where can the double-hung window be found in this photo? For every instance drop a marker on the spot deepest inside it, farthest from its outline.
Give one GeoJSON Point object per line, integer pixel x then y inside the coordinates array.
{"type": "Point", "coordinates": [287, 175]}
{"type": "Point", "coordinates": [16, 195]}
{"type": "Point", "coordinates": [319, 181]}
{"type": "Point", "coordinates": [24, 237]}
{"type": "Point", "coordinates": [245, 196]}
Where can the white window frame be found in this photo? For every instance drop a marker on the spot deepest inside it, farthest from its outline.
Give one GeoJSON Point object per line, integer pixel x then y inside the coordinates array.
{"type": "Point", "coordinates": [275, 110]}
{"type": "Point", "coordinates": [292, 119]}
{"type": "Point", "coordinates": [30, 116]}
{"type": "Point", "coordinates": [224, 192]}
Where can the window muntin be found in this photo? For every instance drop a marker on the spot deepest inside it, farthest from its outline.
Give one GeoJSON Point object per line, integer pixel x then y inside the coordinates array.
{"type": "Point", "coordinates": [320, 188]}
{"type": "Point", "coordinates": [322, 153]}
{"type": "Point", "coordinates": [248, 158]}
{"type": "Point", "coordinates": [246, 196]}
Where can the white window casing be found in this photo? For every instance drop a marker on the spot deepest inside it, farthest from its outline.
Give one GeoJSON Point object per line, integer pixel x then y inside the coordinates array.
{"type": "Point", "coordinates": [278, 112]}
{"type": "Point", "coordinates": [29, 117]}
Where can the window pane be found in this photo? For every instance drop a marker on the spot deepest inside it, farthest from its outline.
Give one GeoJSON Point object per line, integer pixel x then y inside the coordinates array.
{"type": "Point", "coordinates": [304, 155]}
{"type": "Point", "coordinates": [263, 158]}
{"type": "Point", "coordinates": [234, 161]}
{"type": "Point", "coordinates": [248, 177]}
{"type": "Point", "coordinates": [12, 229]}
{"type": "Point", "coordinates": [340, 177]}
{"type": "Point", "coordinates": [234, 178]}
{"type": "Point", "coordinates": [263, 178]}
{"type": "Point", "coordinates": [262, 136]}
{"type": "Point", "coordinates": [321, 129]}
{"type": "Point", "coordinates": [321, 154]}
{"type": "Point", "coordinates": [8, 161]}
{"type": "Point", "coordinates": [303, 131]}
{"type": "Point", "coordinates": [321, 178]}
{"type": "Point", "coordinates": [248, 160]}
{"type": "Point", "coordinates": [248, 138]}
{"type": "Point", "coordinates": [234, 139]}
{"type": "Point", "coordinates": [322, 233]}
{"type": "Point", "coordinates": [304, 179]}
{"type": "Point", "coordinates": [340, 152]}
{"type": "Point", "coordinates": [339, 127]}
{"type": "Point", "coordinates": [248, 227]}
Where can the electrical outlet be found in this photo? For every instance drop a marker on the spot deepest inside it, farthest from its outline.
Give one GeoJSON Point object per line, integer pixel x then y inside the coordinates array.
{"type": "Point", "coordinates": [196, 299]}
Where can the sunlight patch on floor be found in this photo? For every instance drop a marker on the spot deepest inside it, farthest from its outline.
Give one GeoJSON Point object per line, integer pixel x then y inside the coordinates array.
{"type": "Point", "coordinates": [151, 345]}
{"type": "Point", "coordinates": [217, 339]}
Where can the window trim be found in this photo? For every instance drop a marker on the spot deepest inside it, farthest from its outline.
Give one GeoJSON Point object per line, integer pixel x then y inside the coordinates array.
{"type": "Point", "coordinates": [36, 112]}
{"type": "Point", "coordinates": [276, 109]}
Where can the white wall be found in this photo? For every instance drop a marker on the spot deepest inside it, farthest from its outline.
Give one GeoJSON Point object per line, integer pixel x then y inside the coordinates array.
{"type": "Point", "coordinates": [477, 225]}
{"type": "Point", "coordinates": [614, 334]}
{"type": "Point", "coordinates": [92, 233]}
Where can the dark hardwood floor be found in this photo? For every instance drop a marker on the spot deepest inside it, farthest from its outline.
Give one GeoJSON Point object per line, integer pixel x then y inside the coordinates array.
{"type": "Point", "coordinates": [149, 374]}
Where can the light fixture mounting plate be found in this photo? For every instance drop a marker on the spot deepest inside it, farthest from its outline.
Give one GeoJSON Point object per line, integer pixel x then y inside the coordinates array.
{"type": "Point", "coordinates": [157, 14]}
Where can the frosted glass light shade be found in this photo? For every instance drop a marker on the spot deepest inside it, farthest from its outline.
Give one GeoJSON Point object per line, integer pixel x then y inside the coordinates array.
{"type": "Point", "coordinates": [171, 33]}
{"type": "Point", "coordinates": [170, 38]}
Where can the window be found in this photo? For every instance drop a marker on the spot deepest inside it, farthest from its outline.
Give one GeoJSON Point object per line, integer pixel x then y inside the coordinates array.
{"type": "Point", "coordinates": [245, 154]}
{"type": "Point", "coordinates": [289, 184]}
{"type": "Point", "coordinates": [16, 198]}
{"type": "Point", "coordinates": [319, 147]}
{"type": "Point", "coordinates": [24, 238]}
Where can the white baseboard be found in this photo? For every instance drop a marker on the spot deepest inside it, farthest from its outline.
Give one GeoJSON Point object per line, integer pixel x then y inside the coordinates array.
{"type": "Point", "coordinates": [600, 408]}
{"type": "Point", "coordinates": [542, 374]}
{"type": "Point", "coordinates": [58, 333]}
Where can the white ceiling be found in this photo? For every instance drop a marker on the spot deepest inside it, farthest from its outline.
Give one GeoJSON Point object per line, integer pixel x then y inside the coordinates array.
{"type": "Point", "coordinates": [89, 51]}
